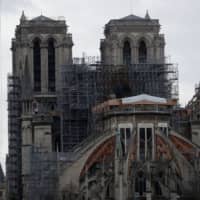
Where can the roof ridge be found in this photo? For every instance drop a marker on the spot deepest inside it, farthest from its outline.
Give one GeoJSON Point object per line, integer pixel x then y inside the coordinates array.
{"type": "Point", "coordinates": [42, 18]}
{"type": "Point", "coordinates": [132, 17]}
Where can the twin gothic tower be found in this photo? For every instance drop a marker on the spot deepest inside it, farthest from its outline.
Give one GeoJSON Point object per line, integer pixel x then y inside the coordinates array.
{"type": "Point", "coordinates": [40, 49]}
{"type": "Point", "coordinates": [41, 45]}
{"type": "Point", "coordinates": [133, 40]}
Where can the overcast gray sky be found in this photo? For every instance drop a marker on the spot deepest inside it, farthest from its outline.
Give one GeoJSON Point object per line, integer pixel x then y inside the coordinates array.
{"type": "Point", "coordinates": [86, 18]}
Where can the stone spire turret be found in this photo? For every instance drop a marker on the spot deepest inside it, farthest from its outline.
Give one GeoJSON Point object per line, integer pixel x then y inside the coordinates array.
{"type": "Point", "coordinates": [23, 17]}
{"type": "Point", "coordinates": [147, 15]}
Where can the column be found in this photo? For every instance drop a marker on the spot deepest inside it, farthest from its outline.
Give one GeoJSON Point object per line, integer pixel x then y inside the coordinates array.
{"type": "Point", "coordinates": [114, 47]}
{"type": "Point", "coordinates": [136, 59]}
{"type": "Point", "coordinates": [58, 63]}
{"type": "Point", "coordinates": [119, 56]}
{"type": "Point", "coordinates": [26, 150]}
{"type": "Point", "coordinates": [148, 182]}
{"type": "Point", "coordinates": [174, 196]}
{"type": "Point", "coordinates": [148, 195]}
{"type": "Point", "coordinates": [157, 53]}
{"type": "Point", "coordinates": [162, 49]}
{"type": "Point", "coordinates": [150, 57]}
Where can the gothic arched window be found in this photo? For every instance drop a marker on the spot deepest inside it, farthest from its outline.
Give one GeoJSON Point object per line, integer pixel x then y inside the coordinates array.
{"type": "Point", "coordinates": [142, 52]}
{"type": "Point", "coordinates": [51, 65]}
{"type": "Point", "coordinates": [37, 65]}
{"type": "Point", "coordinates": [127, 53]}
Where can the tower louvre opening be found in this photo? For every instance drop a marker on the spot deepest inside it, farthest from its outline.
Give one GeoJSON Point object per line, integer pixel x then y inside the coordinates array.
{"type": "Point", "coordinates": [127, 53]}
{"type": "Point", "coordinates": [51, 65]}
{"type": "Point", "coordinates": [37, 65]}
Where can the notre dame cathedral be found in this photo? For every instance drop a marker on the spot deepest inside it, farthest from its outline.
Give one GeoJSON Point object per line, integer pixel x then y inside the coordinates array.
{"type": "Point", "coordinates": [97, 128]}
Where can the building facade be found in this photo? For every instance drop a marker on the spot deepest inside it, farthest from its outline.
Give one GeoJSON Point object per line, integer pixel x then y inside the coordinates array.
{"type": "Point", "coordinates": [136, 155]}
{"type": "Point", "coordinates": [133, 51]}
{"type": "Point", "coordinates": [13, 160]}
{"type": "Point", "coordinates": [133, 40]}
{"type": "Point", "coordinates": [58, 126]}
{"type": "Point", "coordinates": [194, 109]}
{"type": "Point", "coordinates": [41, 45]}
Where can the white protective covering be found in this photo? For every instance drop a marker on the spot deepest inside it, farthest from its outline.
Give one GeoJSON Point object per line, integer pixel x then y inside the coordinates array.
{"type": "Point", "coordinates": [143, 97]}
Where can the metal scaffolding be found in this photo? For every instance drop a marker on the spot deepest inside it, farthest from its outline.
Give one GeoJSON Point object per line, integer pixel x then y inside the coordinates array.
{"type": "Point", "coordinates": [83, 86]}
{"type": "Point", "coordinates": [194, 104]}
{"type": "Point", "coordinates": [41, 183]}
{"type": "Point", "coordinates": [154, 79]}
{"type": "Point", "coordinates": [14, 135]}
{"type": "Point", "coordinates": [79, 91]}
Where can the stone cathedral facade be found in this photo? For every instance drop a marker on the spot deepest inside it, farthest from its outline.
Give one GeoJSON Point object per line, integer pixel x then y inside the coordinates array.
{"type": "Point", "coordinates": [132, 40]}
{"type": "Point", "coordinates": [40, 47]}
{"type": "Point", "coordinates": [96, 131]}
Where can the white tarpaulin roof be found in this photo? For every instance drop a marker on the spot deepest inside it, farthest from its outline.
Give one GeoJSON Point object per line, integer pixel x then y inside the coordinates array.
{"type": "Point", "coordinates": [143, 97]}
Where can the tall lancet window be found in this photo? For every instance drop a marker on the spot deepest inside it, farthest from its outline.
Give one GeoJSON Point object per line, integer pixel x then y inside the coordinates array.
{"type": "Point", "coordinates": [37, 65]}
{"type": "Point", "coordinates": [51, 65]}
{"type": "Point", "coordinates": [127, 53]}
{"type": "Point", "coordinates": [142, 52]}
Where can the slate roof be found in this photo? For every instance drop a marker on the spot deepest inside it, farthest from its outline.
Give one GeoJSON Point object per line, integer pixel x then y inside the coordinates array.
{"type": "Point", "coordinates": [131, 17]}
{"type": "Point", "coordinates": [42, 18]}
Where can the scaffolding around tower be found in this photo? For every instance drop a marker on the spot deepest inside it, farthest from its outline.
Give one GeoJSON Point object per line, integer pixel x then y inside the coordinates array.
{"type": "Point", "coordinates": [79, 91]}
{"type": "Point", "coordinates": [194, 104]}
{"type": "Point", "coordinates": [13, 160]}
{"type": "Point", "coordinates": [83, 85]}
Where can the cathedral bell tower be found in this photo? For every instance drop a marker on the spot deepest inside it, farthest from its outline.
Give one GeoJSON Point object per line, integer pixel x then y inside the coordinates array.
{"type": "Point", "coordinates": [40, 47]}
{"type": "Point", "coordinates": [133, 59]}
{"type": "Point", "coordinates": [132, 40]}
